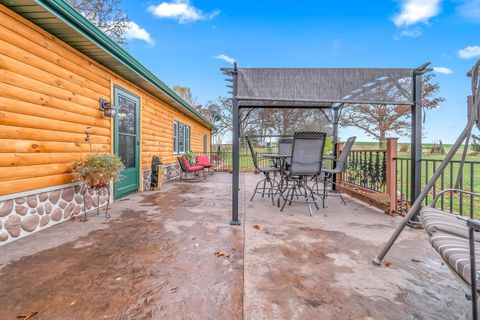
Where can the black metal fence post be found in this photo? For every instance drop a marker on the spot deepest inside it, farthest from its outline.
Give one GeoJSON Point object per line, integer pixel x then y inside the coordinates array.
{"type": "Point", "coordinates": [416, 142]}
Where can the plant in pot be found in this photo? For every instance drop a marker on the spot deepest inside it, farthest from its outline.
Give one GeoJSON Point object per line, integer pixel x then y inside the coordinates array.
{"type": "Point", "coordinates": [190, 158]}
{"type": "Point", "coordinates": [98, 169]}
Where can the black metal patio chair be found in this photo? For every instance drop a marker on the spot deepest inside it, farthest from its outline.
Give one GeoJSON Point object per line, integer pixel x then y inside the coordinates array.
{"type": "Point", "coordinates": [285, 146]}
{"type": "Point", "coordinates": [306, 162]}
{"type": "Point", "coordinates": [266, 186]}
{"type": "Point", "coordinates": [328, 175]}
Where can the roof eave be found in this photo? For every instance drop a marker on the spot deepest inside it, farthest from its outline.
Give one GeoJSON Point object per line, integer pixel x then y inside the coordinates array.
{"type": "Point", "coordinates": [74, 19]}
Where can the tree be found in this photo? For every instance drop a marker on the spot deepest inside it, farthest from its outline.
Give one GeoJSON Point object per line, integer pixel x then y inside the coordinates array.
{"type": "Point", "coordinates": [185, 93]}
{"type": "Point", "coordinates": [289, 120]}
{"type": "Point", "coordinates": [475, 143]}
{"type": "Point", "coordinates": [249, 119]}
{"type": "Point", "coordinates": [107, 15]}
{"type": "Point", "coordinates": [378, 120]}
{"type": "Point", "coordinates": [269, 121]}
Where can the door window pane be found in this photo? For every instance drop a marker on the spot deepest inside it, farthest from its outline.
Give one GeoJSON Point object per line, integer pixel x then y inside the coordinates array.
{"type": "Point", "coordinates": [127, 149]}
{"type": "Point", "coordinates": [126, 115]}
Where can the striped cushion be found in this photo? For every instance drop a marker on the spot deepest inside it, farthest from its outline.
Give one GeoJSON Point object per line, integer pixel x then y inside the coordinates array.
{"type": "Point", "coordinates": [455, 252]}
{"type": "Point", "coordinates": [436, 220]}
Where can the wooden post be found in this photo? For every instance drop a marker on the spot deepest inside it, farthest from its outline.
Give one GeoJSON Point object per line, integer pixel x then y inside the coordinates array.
{"type": "Point", "coordinates": [391, 173]}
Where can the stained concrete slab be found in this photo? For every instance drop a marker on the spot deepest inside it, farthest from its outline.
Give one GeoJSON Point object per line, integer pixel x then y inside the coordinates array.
{"type": "Point", "coordinates": [302, 267]}
{"type": "Point", "coordinates": [155, 260]}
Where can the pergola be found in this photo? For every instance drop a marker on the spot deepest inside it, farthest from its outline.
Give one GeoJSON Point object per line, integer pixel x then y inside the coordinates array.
{"type": "Point", "coordinates": [326, 88]}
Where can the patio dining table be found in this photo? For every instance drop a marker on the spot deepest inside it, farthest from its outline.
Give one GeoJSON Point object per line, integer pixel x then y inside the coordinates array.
{"type": "Point", "coordinates": [278, 159]}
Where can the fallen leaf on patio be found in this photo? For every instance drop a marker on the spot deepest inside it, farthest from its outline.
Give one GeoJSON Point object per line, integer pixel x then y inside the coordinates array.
{"type": "Point", "coordinates": [27, 315]}
{"type": "Point", "coordinates": [388, 264]}
{"type": "Point", "coordinates": [173, 290]}
{"type": "Point", "coordinates": [257, 226]}
{"type": "Point", "coordinates": [222, 254]}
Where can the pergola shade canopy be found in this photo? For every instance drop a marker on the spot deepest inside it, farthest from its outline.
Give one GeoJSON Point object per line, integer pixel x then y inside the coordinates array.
{"type": "Point", "coordinates": [322, 87]}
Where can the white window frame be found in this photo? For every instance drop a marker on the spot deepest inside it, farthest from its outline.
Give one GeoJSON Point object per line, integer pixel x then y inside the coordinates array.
{"type": "Point", "coordinates": [177, 148]}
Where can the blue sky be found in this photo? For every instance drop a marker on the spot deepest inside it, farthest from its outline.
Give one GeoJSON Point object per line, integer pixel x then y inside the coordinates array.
{"type": "Point", "coordinates": [179, 40]}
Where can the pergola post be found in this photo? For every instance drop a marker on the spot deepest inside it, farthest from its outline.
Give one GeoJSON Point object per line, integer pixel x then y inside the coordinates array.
{"type": "Point", "coordinates": [235, 148]}
{"type": "Point", "coordinates": [336, 115]}
{"type": "Point", "coordinates": [416, 141]}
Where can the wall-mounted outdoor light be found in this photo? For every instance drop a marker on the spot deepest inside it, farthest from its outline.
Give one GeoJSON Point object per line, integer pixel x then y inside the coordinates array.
{"type": "Point", "coordinates": [107, 108]}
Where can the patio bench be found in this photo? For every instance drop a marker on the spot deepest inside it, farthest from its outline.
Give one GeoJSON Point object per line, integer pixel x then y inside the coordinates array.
{"type": "Point", "coordinates": [186, 169]}
{"type": "Point", "coordinates": [204, 161]}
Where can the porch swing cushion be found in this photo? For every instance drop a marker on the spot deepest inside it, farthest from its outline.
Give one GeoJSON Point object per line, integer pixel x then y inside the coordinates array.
{"type": "Point", "coordinates": [456, 253]}
{"type": "Point", "coordinates": [449, 237]}
{"type": "Point", "coordinates": [434, 220]}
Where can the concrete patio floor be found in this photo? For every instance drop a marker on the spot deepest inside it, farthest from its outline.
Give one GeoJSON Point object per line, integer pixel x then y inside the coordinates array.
{"type": "Point", "coordinates": [155, 260]}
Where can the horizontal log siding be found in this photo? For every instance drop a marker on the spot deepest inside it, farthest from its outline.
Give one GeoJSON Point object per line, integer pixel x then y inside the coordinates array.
{"type": "Point", "coordinates": [48, 97]}
{"type": "Point", "coordinates": [157, 132]}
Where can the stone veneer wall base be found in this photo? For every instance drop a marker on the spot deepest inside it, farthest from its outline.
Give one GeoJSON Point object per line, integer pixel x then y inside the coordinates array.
{"type": "Point", "coordinates": [170, 172]}
{"type": "Point", "coordinates": [24, 215]}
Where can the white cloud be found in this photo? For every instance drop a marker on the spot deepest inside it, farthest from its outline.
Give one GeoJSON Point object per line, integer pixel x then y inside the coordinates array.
{"type": "Point", "coordinates": [226, 58]}
{"type": "Point", "coordinates": [443, 70]}
{"type": "Point", "coordinates": [470, 9]}
{"type": "Point", "coordinates": [415, 11]}
{"type": "Point", "coordinates": [180, 10]}
{"type": "Point", "coordinates": [469, 52]}
{"type": "Point", "coordinates": [134, 31]}
{"type": "Point", "coordinates": [411, 33]}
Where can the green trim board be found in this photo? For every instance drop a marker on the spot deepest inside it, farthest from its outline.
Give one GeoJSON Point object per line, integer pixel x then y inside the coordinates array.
{"type": "Point", "coordinates": [60, 19]}
{"type": "Point", "coordinates": [126, 140]}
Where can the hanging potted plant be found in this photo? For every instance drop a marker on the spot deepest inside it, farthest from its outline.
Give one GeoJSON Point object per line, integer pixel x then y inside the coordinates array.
{"type": "Point", "coordinates": [98, 169]}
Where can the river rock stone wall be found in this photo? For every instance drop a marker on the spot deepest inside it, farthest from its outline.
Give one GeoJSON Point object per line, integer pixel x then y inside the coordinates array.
{"type": "Point", "coordinates": [171, 172]}
{"type": "Point", "coordinates": [147, 180]}
{"type": "Point", "coordinates": [24, 215]}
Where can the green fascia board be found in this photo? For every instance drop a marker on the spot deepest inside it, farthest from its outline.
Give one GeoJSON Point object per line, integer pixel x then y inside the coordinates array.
{"type": "Point", "coordinates": [70, 16]}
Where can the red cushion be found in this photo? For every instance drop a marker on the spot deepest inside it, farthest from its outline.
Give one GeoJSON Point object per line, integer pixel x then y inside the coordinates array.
{"type": "Point", "coordinates": [185, 162]}
{"type": "Point", "coordinates": [196, 168]}
{"type": "Point", "coordinates": [204, 161]}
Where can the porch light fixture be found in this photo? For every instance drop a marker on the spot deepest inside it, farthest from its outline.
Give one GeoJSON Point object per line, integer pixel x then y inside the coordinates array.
{"type": "Point", "coordinates": [107, 108]}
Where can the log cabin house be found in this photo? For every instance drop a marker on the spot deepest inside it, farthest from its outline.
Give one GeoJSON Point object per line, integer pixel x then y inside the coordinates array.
{"type": "Point", "coordinates": [55, 68]}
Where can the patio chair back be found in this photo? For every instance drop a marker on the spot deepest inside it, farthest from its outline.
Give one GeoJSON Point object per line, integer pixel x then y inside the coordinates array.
{"type": "Point", "coordinates": [182, 161]}
{"type": "Point", "coordinates": [285, 146]}
{"type": "Point", "coordinates": [254, 156]}
{"type": "Point", "coordinates": [342, 160]}
{"type": "Point", "coordinates": [307, 153]}
{"type": "Point", "coordinates": [203, 161]}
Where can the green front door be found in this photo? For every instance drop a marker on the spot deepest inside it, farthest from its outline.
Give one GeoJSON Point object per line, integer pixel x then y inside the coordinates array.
{"type": "Point", "coordinates": [126, 141]}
